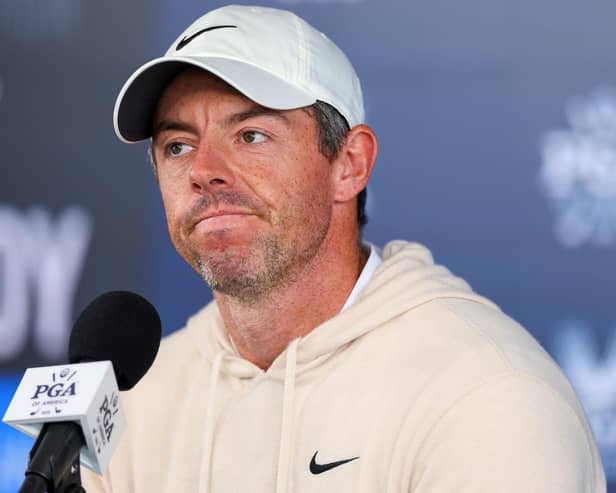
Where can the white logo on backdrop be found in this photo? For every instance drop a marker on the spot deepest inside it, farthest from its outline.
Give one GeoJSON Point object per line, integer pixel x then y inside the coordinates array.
{"type": "Point", "coordinates": [579, 171]}
{"type": "Point", "coordinates": [31, 20]}
{"type": "Point", "coordinates": [40, 264]}
{"type": "Point", "coordinates": [594, 379]}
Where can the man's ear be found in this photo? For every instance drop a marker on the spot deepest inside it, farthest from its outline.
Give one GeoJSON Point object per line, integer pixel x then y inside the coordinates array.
{"type": "Point", "coordinates": [355, 162]}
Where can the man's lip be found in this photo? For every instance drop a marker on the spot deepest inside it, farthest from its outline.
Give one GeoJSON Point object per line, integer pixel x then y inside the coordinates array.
{"type": "Point", "coordinates": [213, 214]}
{"type": "Point", "coordinates": [224, 213]}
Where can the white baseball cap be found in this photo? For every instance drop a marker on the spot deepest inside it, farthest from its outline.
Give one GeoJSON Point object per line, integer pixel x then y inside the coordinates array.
{"type": "Point", "coordinates": [271, 56]}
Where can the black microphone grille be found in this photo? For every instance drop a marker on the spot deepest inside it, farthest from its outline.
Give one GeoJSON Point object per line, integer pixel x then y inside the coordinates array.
{"type": "Point", "coordinates": [119, 326]}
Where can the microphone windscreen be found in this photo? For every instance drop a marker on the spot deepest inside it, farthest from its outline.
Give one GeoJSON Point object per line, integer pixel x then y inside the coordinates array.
{"type": "Point", "coordinates": [119, 326]}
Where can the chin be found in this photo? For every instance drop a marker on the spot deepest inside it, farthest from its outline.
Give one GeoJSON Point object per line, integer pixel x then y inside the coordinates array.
{"type": "Point", "coordinates": [229, 262]}
{"type": "Point", "coordinates": [233, 279]}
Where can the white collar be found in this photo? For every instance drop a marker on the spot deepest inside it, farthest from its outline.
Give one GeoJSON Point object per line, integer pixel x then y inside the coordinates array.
{"type": "Point", "coordinates": [374, 260]}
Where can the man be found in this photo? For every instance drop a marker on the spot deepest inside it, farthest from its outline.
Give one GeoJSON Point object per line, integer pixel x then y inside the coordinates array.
{"type": "Point", "coordinates": [323, 364]}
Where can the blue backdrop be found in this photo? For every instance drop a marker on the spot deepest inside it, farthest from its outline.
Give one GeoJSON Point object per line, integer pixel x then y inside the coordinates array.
{"type": "Point", "coordinates": [497, 123]}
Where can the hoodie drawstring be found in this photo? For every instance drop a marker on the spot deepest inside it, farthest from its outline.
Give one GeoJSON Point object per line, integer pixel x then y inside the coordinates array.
{"type": "Point", "coordinates": [208, 434]}
{"type": "Point", "coordinates": [286, 431]}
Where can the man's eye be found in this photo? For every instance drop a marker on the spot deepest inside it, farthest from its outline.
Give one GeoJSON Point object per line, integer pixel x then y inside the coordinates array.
{"type": "Point", "coordinates": [178, 149]}
{"type": "Point", "coordinates": [253, 137]}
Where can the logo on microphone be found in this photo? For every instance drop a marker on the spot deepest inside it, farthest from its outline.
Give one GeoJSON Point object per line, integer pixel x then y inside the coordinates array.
{"type": "Point", "coordinates": [48, 398]}
{"type": "Point", "coordinates": [103, 430]}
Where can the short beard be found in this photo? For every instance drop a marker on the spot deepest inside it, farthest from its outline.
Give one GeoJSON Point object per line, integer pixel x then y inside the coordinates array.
{"type": "Point", "coordinates": [281, 267]}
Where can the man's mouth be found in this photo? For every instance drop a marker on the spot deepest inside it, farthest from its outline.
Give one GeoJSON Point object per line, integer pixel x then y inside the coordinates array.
{"type": "Point", "coordinates": [222, 220]}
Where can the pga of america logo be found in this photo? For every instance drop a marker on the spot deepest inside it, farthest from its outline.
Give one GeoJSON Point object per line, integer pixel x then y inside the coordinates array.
{"type": "Point", "coordinates": [49, 398]}
{"type": "Point", "coordinates": [594, 378]}
{"type": "Point", "coordinates": [578, 172]}
{"type": "Point", "coordinates": [103, 430]}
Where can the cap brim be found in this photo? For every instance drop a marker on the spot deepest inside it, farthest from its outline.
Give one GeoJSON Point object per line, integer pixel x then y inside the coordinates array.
{"type": "Point", "coordinates": [136, 104]}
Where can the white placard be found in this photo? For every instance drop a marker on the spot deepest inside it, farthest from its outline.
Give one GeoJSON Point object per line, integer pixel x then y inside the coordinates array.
{"type": "Point", "coordinates": [86, 393]}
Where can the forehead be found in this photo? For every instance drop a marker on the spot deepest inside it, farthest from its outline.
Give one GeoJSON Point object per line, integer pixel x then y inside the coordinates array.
{"type": "Point", "coordinates": [193, 82]}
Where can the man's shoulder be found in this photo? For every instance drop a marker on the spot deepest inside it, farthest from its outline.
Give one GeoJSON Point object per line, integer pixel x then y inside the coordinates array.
{"type": "Point", "coordinates": [480, 329]}
{"type": "Point", "coordinates": [463, 368]}
{"type": "Point", "coordinates": [459, 343]}
{"type": "Point", "coordinates": [481, 335]}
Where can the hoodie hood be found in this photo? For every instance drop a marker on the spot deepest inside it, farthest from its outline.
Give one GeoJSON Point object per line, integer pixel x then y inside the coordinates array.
{"type": "Point", "coordinates": [407, 278]}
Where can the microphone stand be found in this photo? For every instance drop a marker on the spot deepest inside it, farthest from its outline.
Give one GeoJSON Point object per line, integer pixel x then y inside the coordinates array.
{"type": "Point", "coordinates": [55, 474]}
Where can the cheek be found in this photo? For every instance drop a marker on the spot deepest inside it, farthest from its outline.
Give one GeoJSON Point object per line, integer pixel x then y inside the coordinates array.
{"type": "Point", "coordinates": [172, 211]}
{"type": "Point", "coordinates": [308, 197]}
{"type": "Point", "coordinates": [315, 182]}
{"type": "Point", "coordinates": [306, 173]}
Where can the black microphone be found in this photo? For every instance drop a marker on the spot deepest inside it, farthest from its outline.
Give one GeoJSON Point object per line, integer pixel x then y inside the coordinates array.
{"type": "Point", "coordinates": [119, 326]}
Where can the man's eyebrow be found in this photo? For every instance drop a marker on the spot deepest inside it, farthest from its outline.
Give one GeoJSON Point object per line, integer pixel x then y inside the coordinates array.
{"type": "Point", "coordinates": [165, 125]}
{"type": "Point", "coordinates": [252, 112]}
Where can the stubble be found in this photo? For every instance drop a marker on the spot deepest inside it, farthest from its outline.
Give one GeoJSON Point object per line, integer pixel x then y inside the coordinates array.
{"type": "Point", "coordinates": [271, 260]}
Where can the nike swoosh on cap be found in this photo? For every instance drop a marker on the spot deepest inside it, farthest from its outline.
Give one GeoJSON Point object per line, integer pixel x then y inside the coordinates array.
{"type": "Point", "coordinates": [187, 39]}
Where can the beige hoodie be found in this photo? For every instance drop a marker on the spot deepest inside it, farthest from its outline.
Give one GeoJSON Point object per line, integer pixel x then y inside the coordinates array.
{"type": "Point", "coordinates": [420, 386]}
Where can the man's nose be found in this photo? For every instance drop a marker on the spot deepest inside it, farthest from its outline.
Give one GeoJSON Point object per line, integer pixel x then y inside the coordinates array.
{"type": "Point", "coordinates": [210, 169]}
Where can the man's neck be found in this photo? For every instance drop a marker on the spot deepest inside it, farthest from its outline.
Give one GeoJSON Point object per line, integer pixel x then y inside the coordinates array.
{"type": "Point", "coordinates": [261, 331]}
